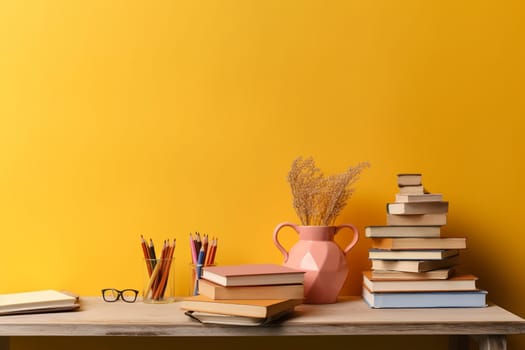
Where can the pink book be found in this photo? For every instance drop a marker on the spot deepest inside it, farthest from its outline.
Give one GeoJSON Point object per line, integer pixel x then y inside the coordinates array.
{"type": "Point", "coordinates": [252, 275]}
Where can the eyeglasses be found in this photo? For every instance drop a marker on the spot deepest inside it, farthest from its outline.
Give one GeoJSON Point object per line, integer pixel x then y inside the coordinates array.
{"type": "Point", "coordinates": [128, 295]}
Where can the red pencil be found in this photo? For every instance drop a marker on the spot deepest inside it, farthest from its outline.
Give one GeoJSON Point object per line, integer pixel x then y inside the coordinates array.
{"type": "Point", "coordinates": [167, 257]}
{"type": "Point", "coordinates": [205, 247]}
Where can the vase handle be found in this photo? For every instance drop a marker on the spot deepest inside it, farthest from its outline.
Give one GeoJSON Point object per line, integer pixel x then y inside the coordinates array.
{"type": "Point", "coordinates": [276, 239]}
{"type": "Point", "coordinates": [354, 240]}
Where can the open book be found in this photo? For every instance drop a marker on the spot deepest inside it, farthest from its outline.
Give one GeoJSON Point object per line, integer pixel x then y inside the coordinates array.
{"type": "Point", "coordinates": [37, 301]}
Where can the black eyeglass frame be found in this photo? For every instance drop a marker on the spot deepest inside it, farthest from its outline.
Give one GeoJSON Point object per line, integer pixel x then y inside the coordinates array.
{"type": "Point", "coordinates": [120, 295]}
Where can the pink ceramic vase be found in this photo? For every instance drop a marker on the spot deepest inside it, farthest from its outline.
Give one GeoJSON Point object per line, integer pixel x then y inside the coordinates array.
{"type": "Point", "coordinates": [320, 257]}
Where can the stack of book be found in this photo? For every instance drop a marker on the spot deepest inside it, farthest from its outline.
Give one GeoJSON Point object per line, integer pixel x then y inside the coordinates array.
{"type": "Point", "coordinates": [248, 294]}
{"type": "Point", "coordinates": [413, 263]}
{"type": "Point", "coordinates": [38, 301]}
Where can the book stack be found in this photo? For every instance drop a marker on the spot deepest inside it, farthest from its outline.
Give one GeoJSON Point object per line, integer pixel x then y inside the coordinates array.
{"type": "Point", "coordinates": [413, 263]}
{"type": "Point", "coordinates": [38, 301]}
{"type": "Point", "coordinates": [248, 294]}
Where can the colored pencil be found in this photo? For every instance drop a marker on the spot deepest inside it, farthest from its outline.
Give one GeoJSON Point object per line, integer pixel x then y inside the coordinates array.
{"type": "Point", "coordinates": [158, 268]}
{"type": "Point", "coordinates": [145, 251]}
{"type": "Point", "coordinates": [193, 250]}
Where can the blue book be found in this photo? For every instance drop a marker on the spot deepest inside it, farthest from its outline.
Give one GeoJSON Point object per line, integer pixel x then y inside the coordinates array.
{"type": "Point", "coordinates": [425, 299]}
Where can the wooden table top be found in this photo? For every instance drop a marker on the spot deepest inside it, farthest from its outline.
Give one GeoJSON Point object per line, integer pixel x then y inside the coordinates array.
{"type": "Point", "coordinates": [349, 316]}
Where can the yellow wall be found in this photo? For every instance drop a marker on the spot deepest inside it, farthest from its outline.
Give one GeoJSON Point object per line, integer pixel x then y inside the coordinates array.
{"type": "Point", "coordinates": [121, 118]}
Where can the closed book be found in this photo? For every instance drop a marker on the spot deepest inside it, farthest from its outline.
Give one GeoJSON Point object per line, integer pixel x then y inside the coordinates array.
{"type": "Point", "coordinates": [419, 243]}
{"type": "Point", "coordinates": [37, 301]}
{"type": "Point", "coordinates": [414, 265]}
{"type": "Point", "coordinates": [425, 299]}
{"type": "Point", "coordinates": [261, 308]}
{"type": "Point", "coordinates": [280, 291]}
{"type": "Point", "coordinates": [403, 231]}
{"type": "Point", "coordinates": [409, 179]}
{"type": "Point", "coordinates": [417, 189]}
{"type": "Point", "coordinates": [252, 275]}
{"type": "Point", "coordinates": [442, 274]}
{"type": "Point", "coordinates": [417, 208]}
{"type": "Point", "coordinates": [424, 197]}
{"type": "Point", "coordinates": [459, 282]}
{"type": "Point", "coordinates": [437, 254]}
{"type": "Point", "coordinates": [208, 318]}
{"type": "Point", "coordinates": [417, 219]}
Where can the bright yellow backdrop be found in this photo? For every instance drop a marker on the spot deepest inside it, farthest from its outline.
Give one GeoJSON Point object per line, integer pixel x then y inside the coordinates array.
{"type": "Point", "coordinates": [122, 118]}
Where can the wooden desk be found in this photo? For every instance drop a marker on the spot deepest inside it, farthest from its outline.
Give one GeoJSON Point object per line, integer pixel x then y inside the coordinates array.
{"type": "Point", "coordinates": [350, 316]}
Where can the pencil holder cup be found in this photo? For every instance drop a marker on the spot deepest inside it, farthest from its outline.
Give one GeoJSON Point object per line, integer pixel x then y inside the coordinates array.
{"type": "Point", "coordinates": [158, 281]}
{"type": "Point", "coordinates": [195, 276]}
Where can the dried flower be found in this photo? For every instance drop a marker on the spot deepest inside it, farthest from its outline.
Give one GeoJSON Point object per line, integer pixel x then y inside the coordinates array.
{"type": "Point", "coordinates": [318, 200]}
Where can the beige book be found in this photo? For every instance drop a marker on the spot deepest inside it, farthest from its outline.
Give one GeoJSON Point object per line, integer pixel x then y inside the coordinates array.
{"type": "Point", "coordinates": [402, 231]}
{"type": "Point", "coordinates": [437, 254]}
{"type": "Point", "coordinates": [402, 275]}
{"type": "Point", "coordinates": [415, 198]}
{"type": "Point", "coordinates": [409, 179]}
{"type": "Point", "coordinates": [37, 301]}
{"type": "Point", "coordinates": [414, 265]}
{"type": "Point", "coordinates": [261, 308]}
{"type": "Point", "coordinates": [419, 189]}
{"type": "Point", "coordinates": [420, 219]}
{"type": "Point", "coordinates": [419, 243]}
{"type": "Point", "coordinates": [455, 283]}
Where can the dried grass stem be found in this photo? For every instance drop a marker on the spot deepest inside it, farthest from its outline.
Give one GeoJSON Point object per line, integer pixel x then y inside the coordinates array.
{"type": "Point", "coordinates": [318, 200]}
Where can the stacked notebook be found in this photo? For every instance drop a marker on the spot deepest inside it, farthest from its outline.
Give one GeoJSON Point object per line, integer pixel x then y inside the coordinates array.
{"type": "Point", "coordinates": [37, 301]}
{"type": "Point", "coordinates": [413, 263]}
{"type": "Point", "coordinates": [248, 294]}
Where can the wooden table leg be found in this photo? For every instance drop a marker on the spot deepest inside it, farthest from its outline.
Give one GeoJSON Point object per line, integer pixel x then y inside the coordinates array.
{"type": "Point", "coordinates": [458, 342]}
{"type": "Point", "coordinates": [4, 343]}
{"type": "Point", "coordinates": [491, 342]}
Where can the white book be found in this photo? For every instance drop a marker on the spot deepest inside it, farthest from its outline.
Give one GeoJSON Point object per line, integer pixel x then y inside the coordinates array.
{"type": "Point", "coordinates": [403, 231]}
{"type": "Point", "coordinates": [436, 254]}
{"type": "Point", "coordinates": [425, 197]}
{"type": "Point", "coordinates": [412, 189]}
{"type": "Point", "coordinates": [36, 301]}
{"type": "Point", "coordinates": [414, 265]}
